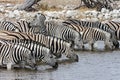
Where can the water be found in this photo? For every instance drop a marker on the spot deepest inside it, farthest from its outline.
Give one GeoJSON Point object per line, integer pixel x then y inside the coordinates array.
{"type": "Point", "coordinates": [93, 65]}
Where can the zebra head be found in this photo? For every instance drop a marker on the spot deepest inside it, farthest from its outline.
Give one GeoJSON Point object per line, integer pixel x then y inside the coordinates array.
{"type": "Point", "coordinates": [38, 21]}
{"type": "Point", "coordinates": [49, 59]}
{"type": "Point", "coordinates": [30, 60]}
{"type": "Point", "coordinates": [78, 41]}
{"type": "Point", "coordinates": [71, 54]}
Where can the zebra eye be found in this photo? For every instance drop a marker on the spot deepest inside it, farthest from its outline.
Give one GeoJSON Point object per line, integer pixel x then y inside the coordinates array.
{"type": "Point", "coordinates": [51, 56]}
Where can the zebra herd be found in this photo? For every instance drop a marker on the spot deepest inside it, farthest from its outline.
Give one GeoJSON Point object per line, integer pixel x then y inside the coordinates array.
{"type": "Point", "coordinates": [26, 43]}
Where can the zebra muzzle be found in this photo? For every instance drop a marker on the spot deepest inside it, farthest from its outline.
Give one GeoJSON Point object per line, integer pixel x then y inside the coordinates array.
{"type": "Point", "coordinates": [56, 65]}
{"type": "Point", "coordinates": [34, 67]}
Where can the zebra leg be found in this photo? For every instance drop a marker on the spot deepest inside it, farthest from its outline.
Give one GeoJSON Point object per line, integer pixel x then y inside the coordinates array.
{"type": "Point", "coordinates": [116, 44]}
{"type": "Point", "coordinates": [91, 44]}
{"type": "Point", "coordinates": [9, 66]}
{"type": "Point", "coordinates": [58, 55]}
{"type": "Point", "coordinates": [83, 47]}
{"type": "Point", "coordinates": [22, 64]}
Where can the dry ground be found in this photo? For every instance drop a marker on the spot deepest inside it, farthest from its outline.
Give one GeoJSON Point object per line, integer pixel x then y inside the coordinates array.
{"type": "Point", "coordinates": [50, 2]}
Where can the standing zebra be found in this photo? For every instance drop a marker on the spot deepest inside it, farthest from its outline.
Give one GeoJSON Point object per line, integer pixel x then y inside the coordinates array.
{"type": "Point", "coordinates": [57, 46]}
{"type": "Point", "coordinates": [59, 31]}
{"type": "Point", "coordinates": [21, 26]}
{"type": "Point", "coordinates": [90, 35]}
{"type": "Point", "coordinates": [98, 25]}
{"type": "Point", "coordinates": [11, 54]}
{"type": "Point", "coordinates": [114, 26]}
{"type": "Point", "coordinates": [40, 52]}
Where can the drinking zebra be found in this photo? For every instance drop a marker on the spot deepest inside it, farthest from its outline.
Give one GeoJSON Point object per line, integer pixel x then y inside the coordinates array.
{"type": "Point", "coordinates": [98, 25]}
{"type": "Point", "coordinates": [57, 46]}
{"type": "Point", "coordinates": [114, 26]}
{"type": "Point", "coordinates": [90, 35]}
{"type": "Point", "coordinates": [40, 52]}
{"type": "Point", "coordinates": [11, 54]}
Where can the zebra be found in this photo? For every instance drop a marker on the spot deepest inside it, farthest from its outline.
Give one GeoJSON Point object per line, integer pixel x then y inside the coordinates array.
{"type": "Point", "coordinates": [21, 26]}
{"type": "Point", "coordinates": [57, 30]}
{"type": "Point", "coordinates": [11, 54]}
{"type": "Point", "coordinates": [56, 45]}
{"type": "Point", "coordinates": [96, 24]}
{"type": "Point", "coordinates": [114, 26]}
{"type": "Point", "coordinates": [90, 35]}
{"type": "Point", "coordinates": [7, 25]}
{"type": "Point", "coordinates": [41, 53]}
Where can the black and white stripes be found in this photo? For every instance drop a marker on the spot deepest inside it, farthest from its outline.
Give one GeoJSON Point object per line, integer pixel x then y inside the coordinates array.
{"type": "Point", "coordinates": [90, 35]}
{"type": "Point", "coordinates": [57, 46]}
{"type": "Point", "coordinates": [40, 52]}
{"type": "Point", "coordinates": [11, 54]}
{"type": "Point", "coordinates": [20, 26]}
{"type": "Point", "coordinates": [48, 40]}
{"type": "Point", "coordinates": [78, 24]}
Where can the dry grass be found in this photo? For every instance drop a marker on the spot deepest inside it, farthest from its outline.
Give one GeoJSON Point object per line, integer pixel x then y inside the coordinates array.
{"type": "Point", "coordinates": [11, 1]}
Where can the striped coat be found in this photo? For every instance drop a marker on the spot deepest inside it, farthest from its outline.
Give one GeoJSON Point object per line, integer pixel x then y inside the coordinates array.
{"type": "Point", "coordinates": [57, 46]}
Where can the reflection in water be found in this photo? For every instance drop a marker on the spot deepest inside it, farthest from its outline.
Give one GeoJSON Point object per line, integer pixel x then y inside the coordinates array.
{"type": "Point", "coordinates": [97, 65]}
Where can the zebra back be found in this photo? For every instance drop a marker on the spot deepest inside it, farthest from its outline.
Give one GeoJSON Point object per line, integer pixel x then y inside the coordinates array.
{"type": "Point", "coordinates": [38, 49]}
{"type": "Point", "coordinates": [78, 26]}
{"type": "Point", "coordinates": [55, 44]}
{"type": "Point", "coordinates": [113, 25]}
{"type": "Point", "coordinates": [23, 25]}
{"type": "Point", "coordinates": [96, 24]}
{"type": "Point", "coordinates": [7, 25]}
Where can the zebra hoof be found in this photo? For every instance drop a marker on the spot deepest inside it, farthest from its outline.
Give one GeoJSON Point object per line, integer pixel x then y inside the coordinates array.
{"type": "Point", "coordinates": [116, 44]}
{"type": "Point", "coordinates": [55, 66]}
{"type": "Point", "coordinates": [77, 58]}
{"type": "Point", "coordinates": [34, 67]}
{"type": "Point", "coordinates": [58, 56]}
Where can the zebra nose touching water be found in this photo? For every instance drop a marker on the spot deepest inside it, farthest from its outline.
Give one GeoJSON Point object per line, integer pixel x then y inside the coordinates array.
{"type": "Point", "coordinates": [40, 52]}
{"type": "Point", "coordinates": [53, 28]}
{"type": "Point", "coordinates": [56, 45]}
{"type": "Point", "coordinates": [11, 54]}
